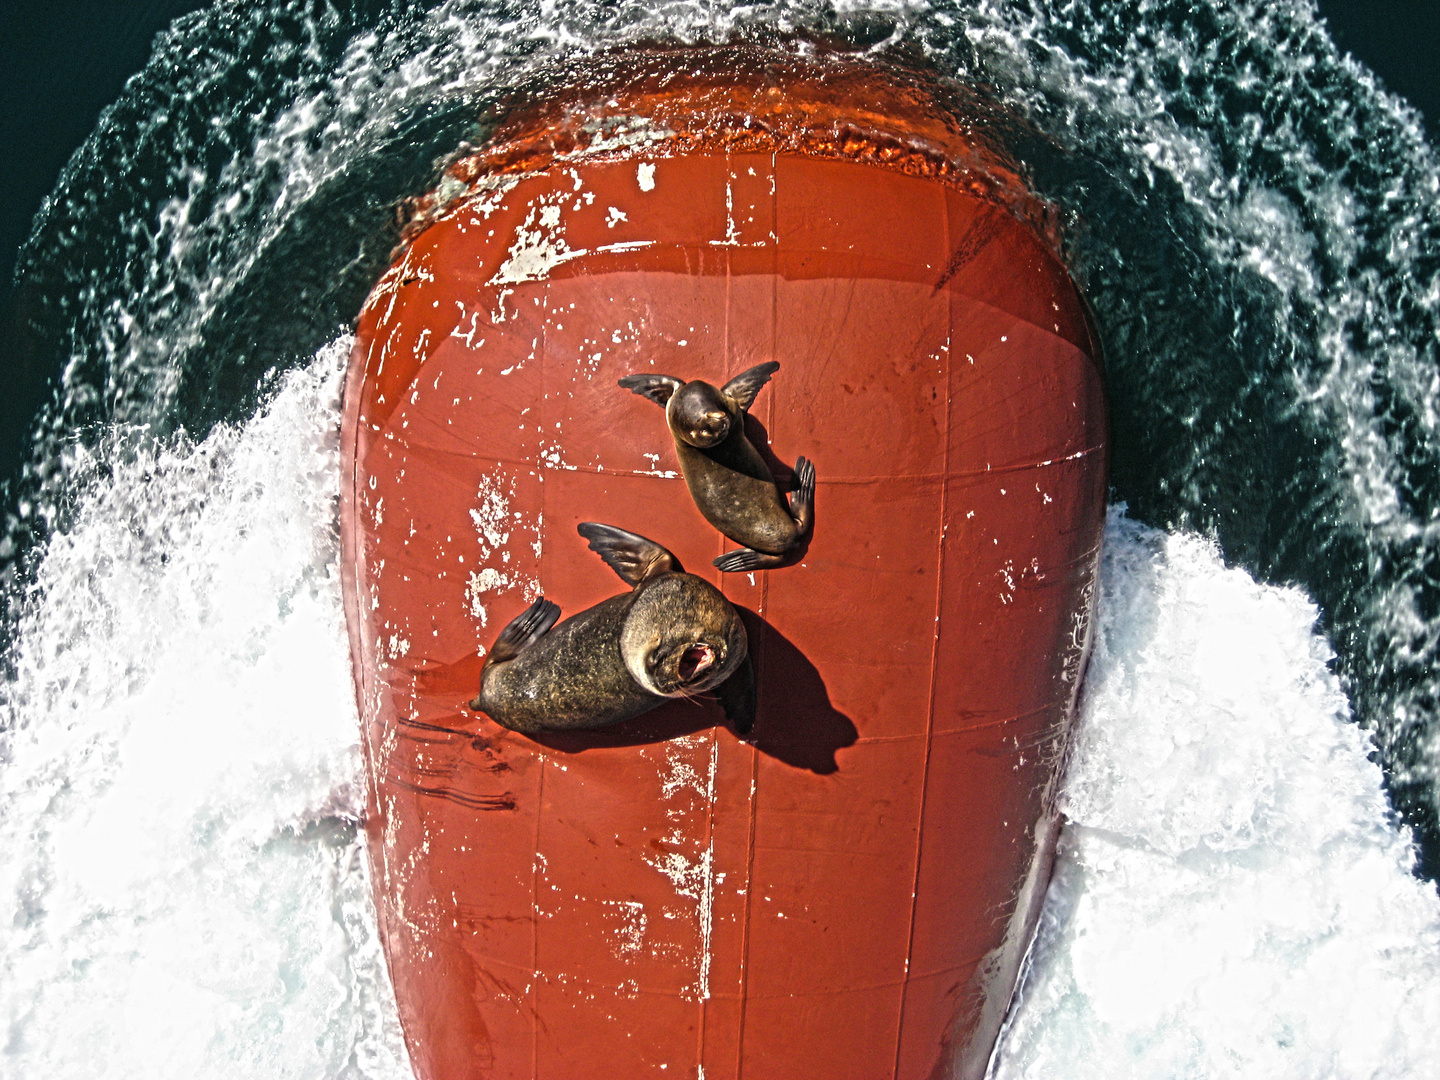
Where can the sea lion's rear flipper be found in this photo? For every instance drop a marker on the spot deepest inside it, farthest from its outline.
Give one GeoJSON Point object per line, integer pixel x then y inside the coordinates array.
{"type": "Point", "coordinates": [743, 559]}
{"type": "Point", "coordinates": [743, 387]}
{"type": "Point", "coordinates": [630, 555]}
{"type": "Point", "coordinates": [658, 388]}
{"type": "Point", "coordinates": [529, 626]}
{"type": "Point", "coordinates": [802, 503]}
{"type": "Point", "coordinates": [737, 697]}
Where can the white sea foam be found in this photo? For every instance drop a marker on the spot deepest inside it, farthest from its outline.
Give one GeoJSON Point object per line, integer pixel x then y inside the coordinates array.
{"type": "Point", "coordinates": [1336, 243]}
{"type": "Point", "coordinates": [187, 894]}
{"type": "Point", "coordinates": [184, 893]}
{"type": "Point", "coordinates": [1231, 899]}
{"type": "Point", "coordinates": [1312, 193]}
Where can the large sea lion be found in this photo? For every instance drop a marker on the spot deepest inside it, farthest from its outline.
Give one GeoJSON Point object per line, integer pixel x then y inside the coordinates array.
{"type": "Point", "coordinates": [727, 477]}
{"type": "Point", "coordinates": [674, 635]}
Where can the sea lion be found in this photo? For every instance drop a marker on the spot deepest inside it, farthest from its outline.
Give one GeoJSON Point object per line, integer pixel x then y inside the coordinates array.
{"type": "Point", "coordinates": [674, 635]}
{"type": "Point", "coordinates": [727, 477]}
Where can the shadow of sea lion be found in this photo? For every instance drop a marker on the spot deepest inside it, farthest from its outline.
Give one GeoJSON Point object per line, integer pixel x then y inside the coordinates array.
{"type": "Point", "coordinates": [795, 723]}
{"type": "Point", "coordinates": [783, 471]}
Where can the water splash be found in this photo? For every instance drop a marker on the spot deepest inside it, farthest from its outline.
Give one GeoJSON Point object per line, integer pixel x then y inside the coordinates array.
{"type": "Point", "coordinates": [1230, 897]}
{"type": "Point", "coordinates": [1259, 229]}
{"type": "Point", "coordinates": [1257, 226]}
{"type": "Point", "coordinates": [185, 892]}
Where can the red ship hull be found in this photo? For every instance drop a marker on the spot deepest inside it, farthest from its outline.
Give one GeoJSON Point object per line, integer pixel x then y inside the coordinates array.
{"type": "Point", "coordinates": [849, 892]}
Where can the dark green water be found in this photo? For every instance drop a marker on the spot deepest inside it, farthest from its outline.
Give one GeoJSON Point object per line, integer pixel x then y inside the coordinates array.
{"type": "Point", "coordinates": [1257, 225]}
{"type": "Point", "coordinates": [63, 61]}
{"type": "Point", "coordinates": [1254, 221]}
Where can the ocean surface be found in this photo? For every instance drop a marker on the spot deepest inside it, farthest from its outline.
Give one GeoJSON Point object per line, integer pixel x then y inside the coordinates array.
{"type": "Point", "coordinates": [1246, 881]}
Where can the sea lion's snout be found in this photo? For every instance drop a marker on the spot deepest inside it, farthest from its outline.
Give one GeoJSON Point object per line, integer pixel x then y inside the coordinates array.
{"type": "Point", "coordinates": [695, 661]}
{"type": "Point", "coordinates": [698, 415]}
{"type": "Point", "coordinates": [710, 430]}
{"type": "Point", "coordinates": [682, 637]}
{"type": "Point", "coordinates": [686, 668]}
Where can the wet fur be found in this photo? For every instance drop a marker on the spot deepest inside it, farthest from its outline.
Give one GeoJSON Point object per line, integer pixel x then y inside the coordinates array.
{"type": "Point", "coordinates": [733, 487]}
{"type": "Point", "coordinates": [575, 675]}
{"type": "Point", "coordinates": [731, 484]}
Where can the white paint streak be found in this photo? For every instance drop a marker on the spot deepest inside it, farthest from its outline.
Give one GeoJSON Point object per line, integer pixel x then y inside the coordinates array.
{"type": "Point", "coordinates": [693, 879]}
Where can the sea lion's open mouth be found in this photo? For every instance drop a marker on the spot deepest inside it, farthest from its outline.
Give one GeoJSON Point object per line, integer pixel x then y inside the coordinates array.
{"type": "Point", "coordinates": [695, 659]}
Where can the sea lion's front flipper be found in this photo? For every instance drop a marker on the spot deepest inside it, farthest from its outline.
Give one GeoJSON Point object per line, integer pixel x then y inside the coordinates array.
{"type": "Point", "coordinates": [743, 387]}
{"type": "Point", "coordinates": [658, 388]}
{"type": "Point", "coordinates": [529, 626]}
{"type": "Point", "coordinates": [630, 555]}
{"type": "Point", "coordinates": [743, 559]}
{"type": "Point", "coordinates": [737, 697]}
{"type": "Point", "coordinates": [802, 503]}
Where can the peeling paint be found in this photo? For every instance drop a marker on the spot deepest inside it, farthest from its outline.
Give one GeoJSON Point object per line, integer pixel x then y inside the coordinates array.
{"type": "Point", "coordinates": [623, 133]}
{"type": "Point", "coordinates": [628, 935]}
{"type": "Point", "coordinates": [493, 512]}
{"type": "Point", "coordinates": [538, 248]}
{"type": "Point", "coordinates": [490, 192]}
{"type": "Point", "coordinates": [692, 879]}
{"type": "Point", "coordinates": [494, 522]}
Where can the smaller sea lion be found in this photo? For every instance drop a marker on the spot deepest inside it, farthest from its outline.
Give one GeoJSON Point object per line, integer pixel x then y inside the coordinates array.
{"type": "Point", "coordinates": [673, 635]}
{"type": "Point", "coordinates": [727, 477]}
